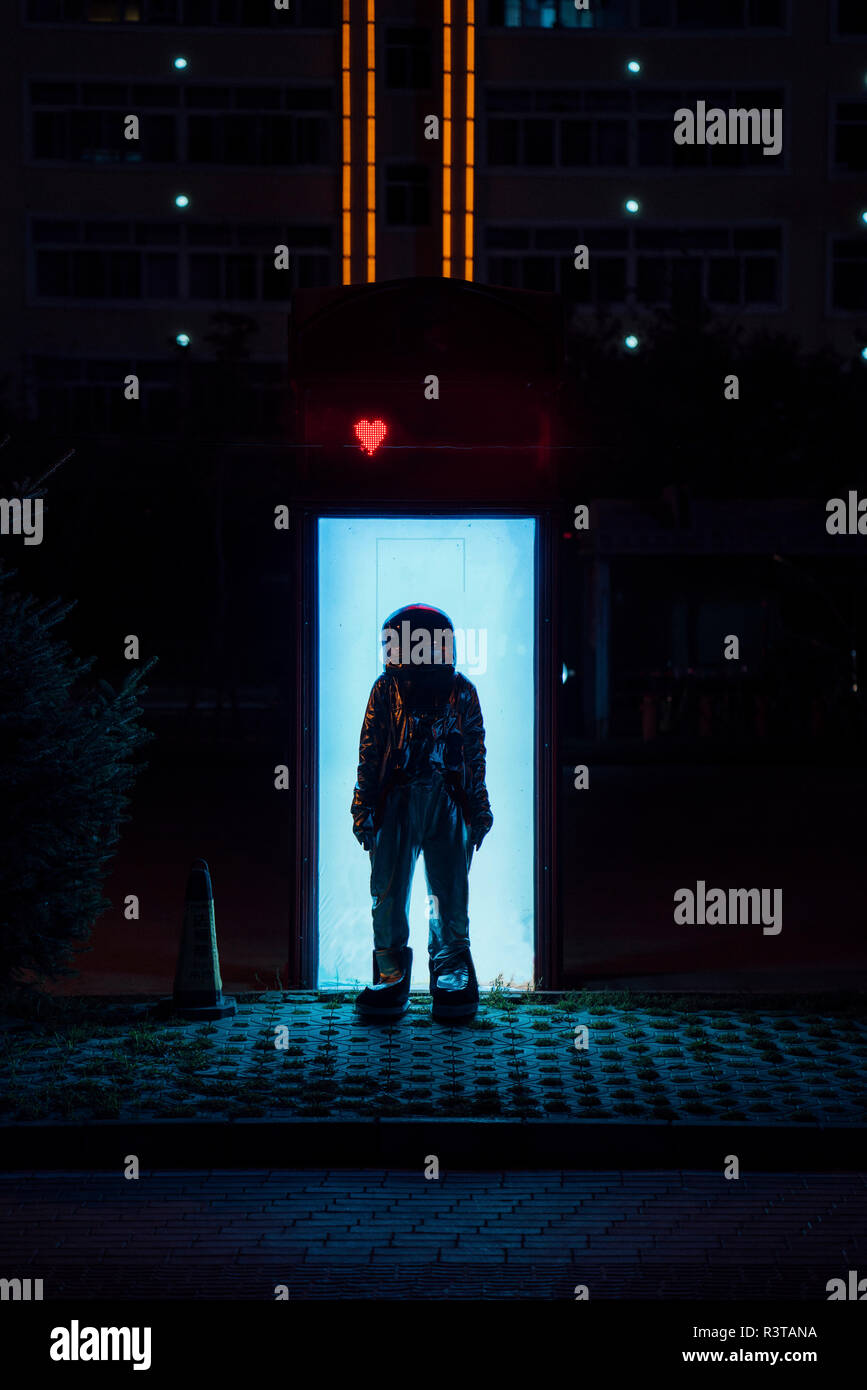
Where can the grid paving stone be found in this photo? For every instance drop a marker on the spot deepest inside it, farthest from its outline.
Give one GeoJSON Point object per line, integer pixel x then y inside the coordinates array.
{"type": "Point", "coordinates": [520, 1062]}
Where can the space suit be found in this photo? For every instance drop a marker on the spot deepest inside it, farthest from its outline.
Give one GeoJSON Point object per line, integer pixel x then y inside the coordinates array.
{"type": "Point", "coordinates": [420, 789]}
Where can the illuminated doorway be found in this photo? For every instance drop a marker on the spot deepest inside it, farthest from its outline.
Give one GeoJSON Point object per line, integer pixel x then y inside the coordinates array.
{"type": "Point", "coordinates": [481, 570]}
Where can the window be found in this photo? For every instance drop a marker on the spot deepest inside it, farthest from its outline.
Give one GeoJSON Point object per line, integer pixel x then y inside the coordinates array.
{"type": "Point", "coordinates": [538, 142]}
{"type": "Point", "coordinates": [654, 127]}
{"type": "Point", "coordinates": [712, 14]}
{"type": "Point", "coordinates": [407, 195]}
{"type": "Point", "coordinates": [161, 276]}
{"type": "Point", "coordinates": [408, 59]}
{"type": "Point", "coordinates": [266, 125]}
{"type": "Point", "coordinates": [541, 258]}
{"type": "Point", "coordinates": [86, 397]}
{"type": "Point", "coordinates": [849, 275]}
{"type": "Point", "coordinates": [88, 274]}
{"type": "Point", "coordinates": [851, 19]}
{"type": "Point", "coordinates": [504, 141]}
{"type": "Point", "coordinates": [96, 137]}
{"type": "Point", "coordinates": [850, 137]}
{"type": "Point", "coordinates": [614, 127]}
{"type": "Point", "coordinates": [195, 261]}
{"type": "Point", "coordinates": [688, 15]}
{"type": "Point", "coordinates": [559, 14]}
{"type": "Point", "coordinates": [599, 135]}
{"type": "Point", "coordinates": [246, 14]}
{"type": "Point", "coordinates": [256, 139]}
{"type": "Point", "coordinates": [726, 267]}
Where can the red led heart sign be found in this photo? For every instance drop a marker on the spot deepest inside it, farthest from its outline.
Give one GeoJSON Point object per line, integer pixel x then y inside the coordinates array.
{"type": "Point", "coordinates": [370, 434]}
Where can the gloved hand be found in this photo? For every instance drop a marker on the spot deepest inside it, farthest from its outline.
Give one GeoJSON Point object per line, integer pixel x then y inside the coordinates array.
{"type": "Point", "coordinates": [478, 831]}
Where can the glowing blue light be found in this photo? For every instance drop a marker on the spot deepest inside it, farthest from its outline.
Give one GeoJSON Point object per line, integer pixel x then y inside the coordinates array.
{"type": "Point", "coordinates": [633, 66]}
{"type": "Point", "coordinates": [180, 64]}
{"type": "Point", "coordinates": [182, 201]}
{"type": "Point", "coordinates": [632, 205]}
{"type": "Point", "coordinates": [631, 342]}
{"type": "Point", "coordinates": [479, 570]}
{"type": "Point", "coordinates": [182, 339]}
{"type": "Point", "coordinates": [864, 216]}
{"type": "Point", "coordinates": [864, 353]}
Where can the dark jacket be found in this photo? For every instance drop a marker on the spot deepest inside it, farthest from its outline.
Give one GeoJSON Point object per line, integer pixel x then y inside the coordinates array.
{"type": "Point", "coordinates": [402, 739]}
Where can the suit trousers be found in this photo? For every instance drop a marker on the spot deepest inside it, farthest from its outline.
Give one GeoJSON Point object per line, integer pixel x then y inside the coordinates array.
{"type": "Point", "coordinates": [422, 817]}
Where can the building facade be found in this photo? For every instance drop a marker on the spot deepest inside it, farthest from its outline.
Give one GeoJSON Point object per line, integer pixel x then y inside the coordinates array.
{"type": "Point", "coordinates": [162, 152]}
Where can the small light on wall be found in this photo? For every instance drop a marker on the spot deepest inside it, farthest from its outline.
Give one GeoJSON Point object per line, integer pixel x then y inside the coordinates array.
{"type": "Point", "coordinates": [182, 339]}
{"type": "Point", "coordinates": [864, 216]}
{"type": "Point", "coordinates": [182, 201]}
{"type": "Point", "coordinates": [630, 341]}
{"type": "Point", "coordinates": [864, 353]}
{"type": "Point", "coordinates": [180, 64]}
{"type": "Point", "coordinates": [633, 66]}
{"type": "Point", "coordinates": [632, 205]}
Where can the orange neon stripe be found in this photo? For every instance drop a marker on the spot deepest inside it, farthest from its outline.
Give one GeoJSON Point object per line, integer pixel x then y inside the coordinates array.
{"type": "Point", "coordinates": [470, 143]}
{"type": "Point", "coordinates": [346, 182]}
{"type": "Point", "coordinates": [371, 141]}
{"type": "Point", "coordinates": [447, 138]}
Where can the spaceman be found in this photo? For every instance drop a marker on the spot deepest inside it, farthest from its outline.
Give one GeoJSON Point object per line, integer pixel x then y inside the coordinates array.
{"type": "Point", "coordinates": [421, 789]}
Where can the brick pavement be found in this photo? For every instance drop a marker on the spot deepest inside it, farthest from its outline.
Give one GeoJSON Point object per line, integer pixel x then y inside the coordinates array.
{"type": "Point", "coordinates": [654, 1063]}
{"type": "Point", "coordinates": [375, 1234]}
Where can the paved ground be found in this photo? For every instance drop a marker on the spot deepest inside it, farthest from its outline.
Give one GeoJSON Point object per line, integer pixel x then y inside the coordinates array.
{"type": "Point", "coordinates": [374, 1234]}
{"type": "Point", "coordinates": [292, 1055]}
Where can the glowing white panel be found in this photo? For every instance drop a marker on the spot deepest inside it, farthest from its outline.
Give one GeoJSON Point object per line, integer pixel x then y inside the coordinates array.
{"type": "Point", "coordinates": [480, 571]}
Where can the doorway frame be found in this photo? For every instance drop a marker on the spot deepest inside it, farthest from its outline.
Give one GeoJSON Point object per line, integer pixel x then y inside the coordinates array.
{"type": "Point", "coordinates": [303, 931]}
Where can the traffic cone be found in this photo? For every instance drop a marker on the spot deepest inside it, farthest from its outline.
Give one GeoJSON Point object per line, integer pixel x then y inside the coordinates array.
{"type": "Point", "coordinates": [198, 990]}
